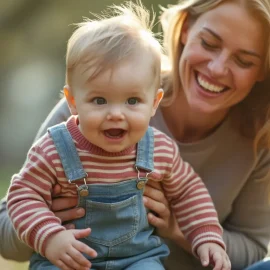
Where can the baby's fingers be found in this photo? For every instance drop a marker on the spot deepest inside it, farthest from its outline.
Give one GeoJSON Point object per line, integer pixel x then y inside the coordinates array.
{"type": "Point", "coordinates": [218, 260]}
{"type": "Point", "coordinates": [226, 263]}
{"type": "Point", "coordinates": [62, 265]}
{"type": "Point", "coordinates": [79, 259]}
{"type": "Point", "coordinates": [204, 256]}
{"type": "Point", "coordinates": [70, 261]}
{"type": "Point", "coordinates": [85, 249]}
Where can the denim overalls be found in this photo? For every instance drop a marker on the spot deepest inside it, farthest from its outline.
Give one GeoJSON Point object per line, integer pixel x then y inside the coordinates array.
{"type": "Point", "coordinates": [120, 232]}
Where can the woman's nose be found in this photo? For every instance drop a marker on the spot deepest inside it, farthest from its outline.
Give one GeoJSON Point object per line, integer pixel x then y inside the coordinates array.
{"type": "Point", "coordinates": [218, 66]}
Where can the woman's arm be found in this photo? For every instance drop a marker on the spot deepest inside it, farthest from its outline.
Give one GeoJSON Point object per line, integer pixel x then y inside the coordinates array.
{"type": "Point", "coordinates": [247, 229]}
{"type": "Point", "coordinates": [13, 248]}
{"type": "Point", "coordinates": [58, 114]}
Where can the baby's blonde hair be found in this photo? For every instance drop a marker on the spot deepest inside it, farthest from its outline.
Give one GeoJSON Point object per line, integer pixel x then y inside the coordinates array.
{"type": "Point", "coordinates": [121, 32]}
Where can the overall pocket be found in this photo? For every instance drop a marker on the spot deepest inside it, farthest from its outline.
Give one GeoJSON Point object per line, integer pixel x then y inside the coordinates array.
{"type": "Point", "coordinates": [112, 222]}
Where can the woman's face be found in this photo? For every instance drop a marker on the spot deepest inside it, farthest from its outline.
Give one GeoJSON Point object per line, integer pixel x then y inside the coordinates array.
{"type": "Point", "coordinates": [222, 58]}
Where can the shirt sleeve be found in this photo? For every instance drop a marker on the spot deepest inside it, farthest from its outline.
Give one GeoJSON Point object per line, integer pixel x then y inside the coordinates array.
{"type": "Point", "coordinates": [191, 204]}
{"type": "Point", "coordinates": [29, 200]}
{"type": "Point", "coordinates": [247, 229]}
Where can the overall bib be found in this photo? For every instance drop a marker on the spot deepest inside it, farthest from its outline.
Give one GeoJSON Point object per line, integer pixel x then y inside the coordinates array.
{"type": "Point", "coordinates": [120, 233]}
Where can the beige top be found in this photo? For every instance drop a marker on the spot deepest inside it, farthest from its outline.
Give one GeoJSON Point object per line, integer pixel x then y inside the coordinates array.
{"type": "Point", "coordinates": [237, 182]}
{"type": "Point", "coordinates": [239, 186]}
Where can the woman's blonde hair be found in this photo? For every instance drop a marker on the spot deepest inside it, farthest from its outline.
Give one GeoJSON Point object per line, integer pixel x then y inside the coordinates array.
{"type": "Point", "coordinates": [252, 115]}
{"type": "Point", "coordinates": [115, 35]}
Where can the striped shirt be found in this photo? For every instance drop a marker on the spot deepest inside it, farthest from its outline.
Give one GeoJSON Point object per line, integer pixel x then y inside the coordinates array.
{"type": "Point", "coordinates": [30, 194]}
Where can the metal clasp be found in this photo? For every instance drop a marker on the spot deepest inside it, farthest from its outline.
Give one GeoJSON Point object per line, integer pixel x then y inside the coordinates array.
{"type": "Point", "coordinates": [83, 189]}
{"type": "Point", "coordinates": [146, 175]}
{"type": "Point", "coordinates": [141, 183]}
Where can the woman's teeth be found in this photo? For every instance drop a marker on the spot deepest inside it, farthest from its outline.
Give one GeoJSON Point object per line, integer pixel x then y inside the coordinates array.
{"type": "Point", "coordinates": [208, 86]}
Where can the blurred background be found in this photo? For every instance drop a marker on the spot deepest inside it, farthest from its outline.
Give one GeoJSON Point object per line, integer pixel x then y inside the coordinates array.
{"type": "Point", "coordinates": [33, 38]}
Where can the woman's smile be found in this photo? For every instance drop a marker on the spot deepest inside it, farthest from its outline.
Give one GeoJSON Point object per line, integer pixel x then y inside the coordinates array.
{"type": "Point", "coordinates": [209, 86]}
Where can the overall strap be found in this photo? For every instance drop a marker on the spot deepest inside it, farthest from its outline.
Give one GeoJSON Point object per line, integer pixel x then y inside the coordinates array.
{"type": "Point", "coordinates": [67, 151]}
{"type": "Point", "coordinates": [145, 151]}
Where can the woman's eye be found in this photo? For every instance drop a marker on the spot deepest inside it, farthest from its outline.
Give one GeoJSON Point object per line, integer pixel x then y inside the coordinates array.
{"type": "Point", "coordinates": [208, 45]}
{"type": "Point", "coordinates": [132, 101]}
{"type": "Point", "coordinates": [99, 100]}
{"type": "Point", "coordinates": [244, 64]}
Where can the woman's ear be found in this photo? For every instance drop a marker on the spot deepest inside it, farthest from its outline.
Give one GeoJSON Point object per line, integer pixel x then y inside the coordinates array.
{"type": "Point", "coordinates": [158, 98]}
{"type": "Point", "coordinates": [70, 99]}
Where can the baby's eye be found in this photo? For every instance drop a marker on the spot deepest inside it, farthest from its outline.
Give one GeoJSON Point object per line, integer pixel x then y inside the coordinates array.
{"type": "Point", "coordinates": [99, 100]}
{"type": "Point", "coordinates": [132, 101]}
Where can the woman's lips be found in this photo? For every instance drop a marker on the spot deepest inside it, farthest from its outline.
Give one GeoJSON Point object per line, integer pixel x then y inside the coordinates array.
{"type": "Point", "coordinates": [208, 86]}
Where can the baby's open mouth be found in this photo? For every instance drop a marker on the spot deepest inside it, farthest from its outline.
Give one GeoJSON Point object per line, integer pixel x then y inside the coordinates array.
{"type": "Point", "coordinates": [114, 133]}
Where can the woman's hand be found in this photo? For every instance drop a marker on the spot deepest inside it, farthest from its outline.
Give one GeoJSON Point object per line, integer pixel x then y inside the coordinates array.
{"type": "Point", "coordinates": [163, 219]}
{"type": "Point", "coordinates": [65, 208]}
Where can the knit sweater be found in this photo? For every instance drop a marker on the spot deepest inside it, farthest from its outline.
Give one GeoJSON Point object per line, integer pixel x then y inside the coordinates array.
{"type": "Point", "coordinates": [29, 197]}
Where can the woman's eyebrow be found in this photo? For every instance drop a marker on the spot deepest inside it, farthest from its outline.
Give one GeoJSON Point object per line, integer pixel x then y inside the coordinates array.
{"type": "Point", "coordinates": [252, 53]}
{"type": "Point", "coordinates": [213, 33]}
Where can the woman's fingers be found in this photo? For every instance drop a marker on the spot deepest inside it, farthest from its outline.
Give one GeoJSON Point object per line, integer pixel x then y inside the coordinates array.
{"type": "Point", "coordinates": [59, 204]}
{"type": "Point", "coordinates": [154, 184]}
{"type": "Point", "coordinates": [56, 190]}
{"type": "Point", "coordinates": [156, 221]}
{"type": "Point", "coordinates": [64, 208]}
{"type": "Point", "coordinates": [160, 208]}
{"type": "Point", "coordinates": [70, 214]}
{"type": "Point", "coordinates": [155, 192]}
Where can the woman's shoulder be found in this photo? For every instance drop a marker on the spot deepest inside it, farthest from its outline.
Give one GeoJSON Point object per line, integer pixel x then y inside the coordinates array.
{"type": "Point", "coordinates": [58, 114]}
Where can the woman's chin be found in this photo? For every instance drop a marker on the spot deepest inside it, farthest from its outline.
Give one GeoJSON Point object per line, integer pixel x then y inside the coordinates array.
{"type": "Point", "coordinates": [202, 108]}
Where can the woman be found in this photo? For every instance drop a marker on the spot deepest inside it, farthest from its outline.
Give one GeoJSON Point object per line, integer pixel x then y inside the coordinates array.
{"type": "Point", "coordinates": [216, 107]}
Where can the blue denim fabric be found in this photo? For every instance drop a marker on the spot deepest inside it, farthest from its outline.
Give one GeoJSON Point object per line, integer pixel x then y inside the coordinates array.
{"type": "Point", "coordinates": [115, 212]}
{"type": "Point", "coordinates": [262, 265]}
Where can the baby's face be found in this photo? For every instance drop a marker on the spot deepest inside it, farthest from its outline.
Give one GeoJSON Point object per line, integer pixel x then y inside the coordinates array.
{"type": "Point", "coordinates": [115, 108]}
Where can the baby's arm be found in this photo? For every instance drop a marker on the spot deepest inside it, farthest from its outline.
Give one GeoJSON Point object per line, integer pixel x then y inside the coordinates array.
{"type": "Point", "coordinates": [193, 208]}
{"type": "Point", "coordinates": [29, 197]}
{"type": "Point", "coordinates": [28, 201]}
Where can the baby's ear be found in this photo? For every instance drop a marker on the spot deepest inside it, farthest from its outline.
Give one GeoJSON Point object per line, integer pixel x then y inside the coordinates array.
{"type": "Point", "coordinates": [158, 98]}
{"type": "Point", "coordinates": [70, 99]}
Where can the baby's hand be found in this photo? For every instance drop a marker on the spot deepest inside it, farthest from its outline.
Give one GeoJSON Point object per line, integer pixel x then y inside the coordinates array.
{"type": "Point", "coordinates": [64, 250]}
{"type": "Point", "coordinates": [211, 253]}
